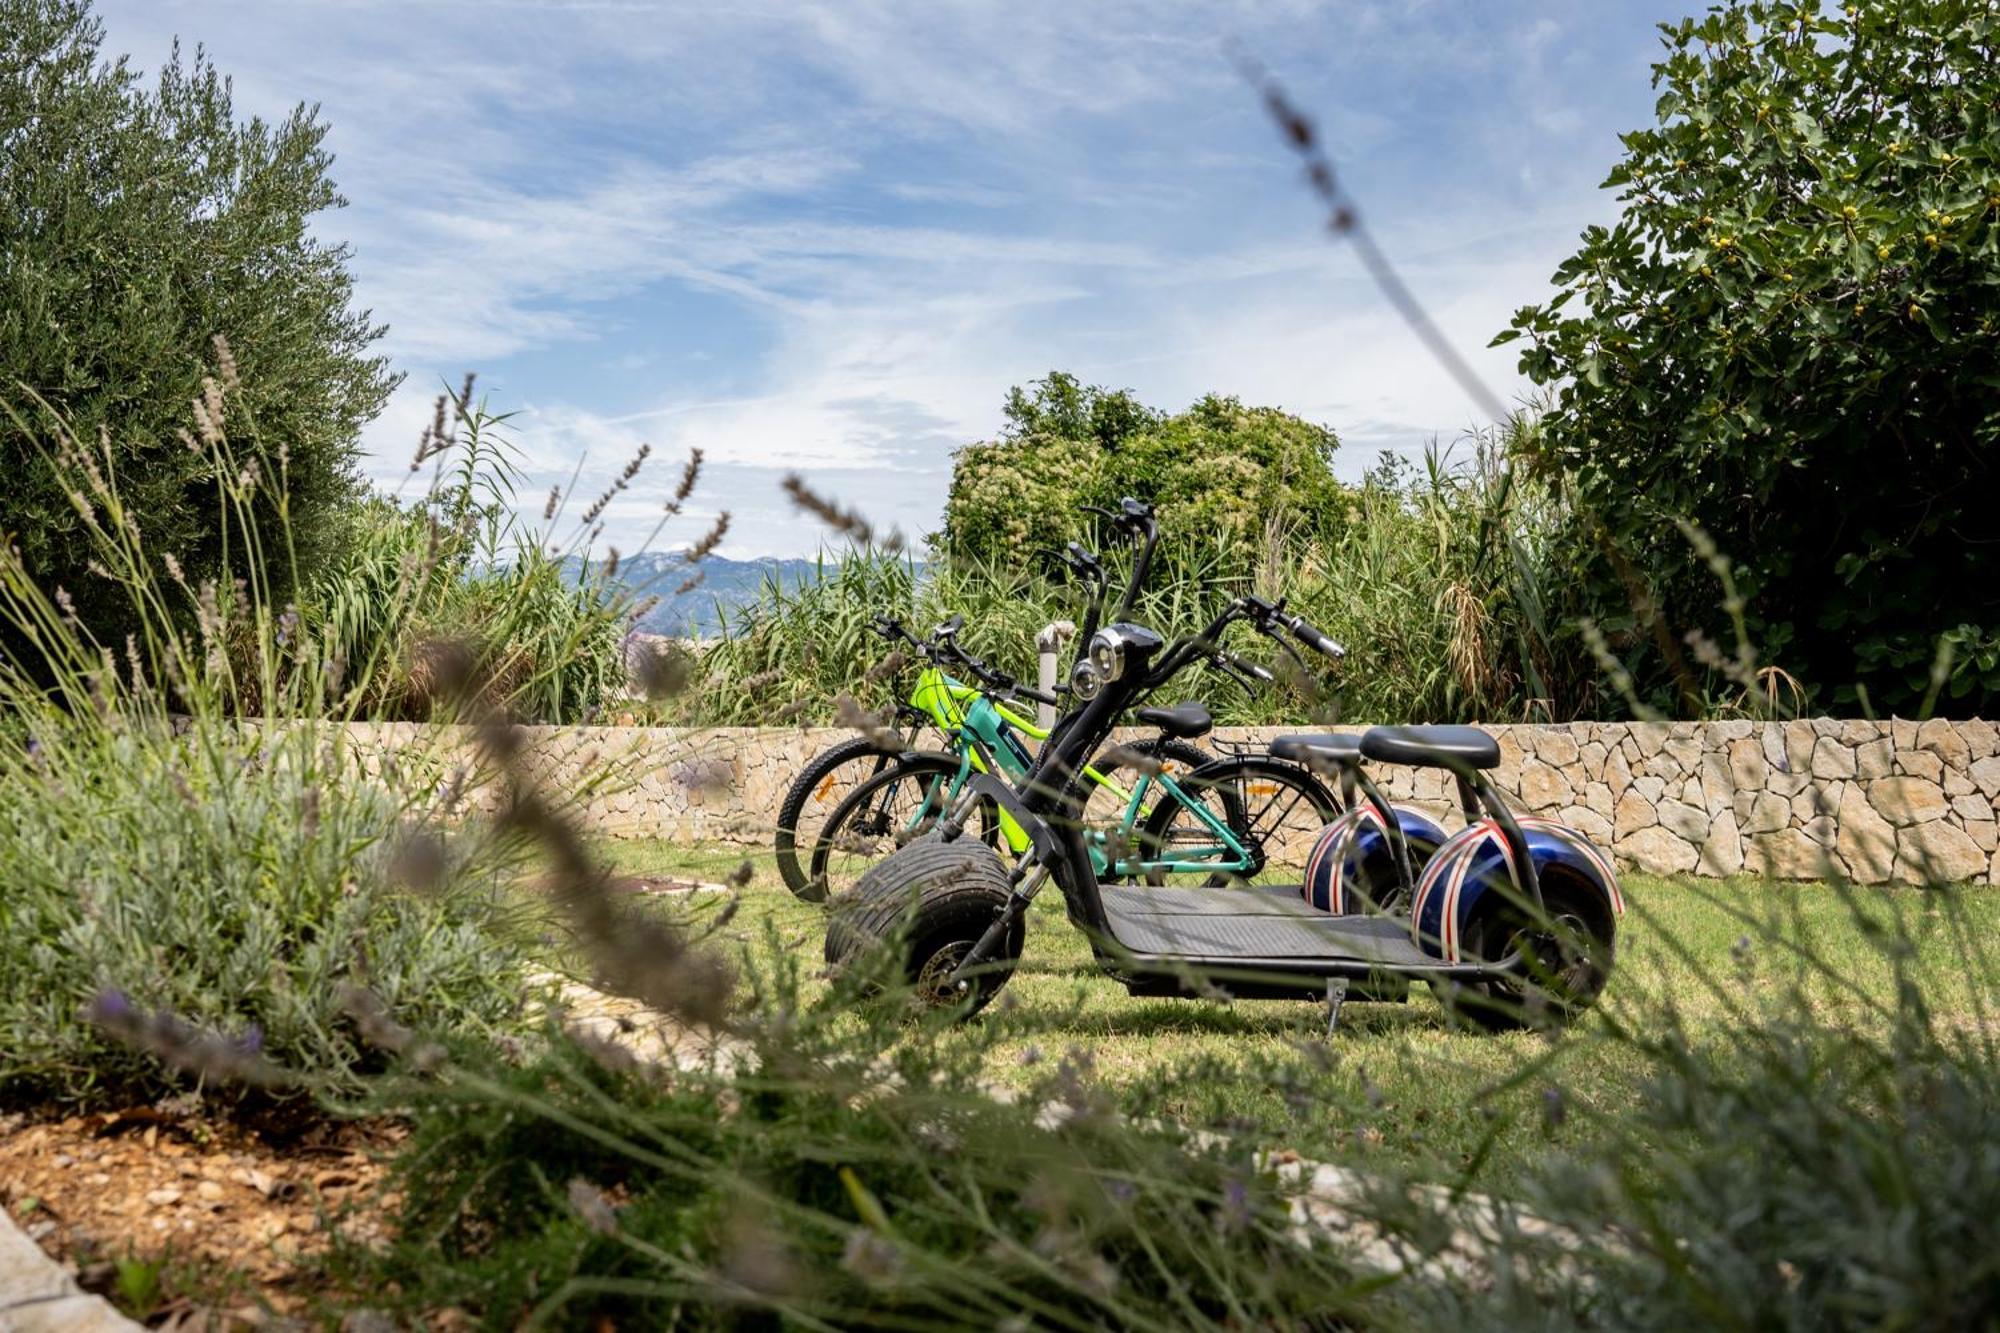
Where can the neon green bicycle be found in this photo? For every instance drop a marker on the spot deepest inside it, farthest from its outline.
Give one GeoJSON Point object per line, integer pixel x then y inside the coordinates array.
{"type": "Point", "coordinates": [1185, 812]}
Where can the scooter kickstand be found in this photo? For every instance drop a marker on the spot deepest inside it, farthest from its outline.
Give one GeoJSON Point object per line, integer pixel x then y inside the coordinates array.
{"type": "Point", "coordinates": [1336, 995]}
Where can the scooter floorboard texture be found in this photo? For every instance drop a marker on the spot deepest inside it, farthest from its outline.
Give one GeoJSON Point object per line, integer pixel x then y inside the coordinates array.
{"type": "Point", "coordinates": [1253, 921]}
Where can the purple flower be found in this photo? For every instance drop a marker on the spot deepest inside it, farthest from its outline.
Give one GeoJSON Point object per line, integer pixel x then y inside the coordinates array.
{"type": "Point", "coordinates": [111, 1007]}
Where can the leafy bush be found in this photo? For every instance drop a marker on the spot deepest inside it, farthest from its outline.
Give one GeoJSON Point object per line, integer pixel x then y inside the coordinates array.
{"type": "Point", "coordinates": [1788, 337]}
{"type": "Point", "coordinates": [139, 226]}
{"type": "Point", "coordinates": [193, 849]}
{"type": "Point", "coordinates": [1217, 468]}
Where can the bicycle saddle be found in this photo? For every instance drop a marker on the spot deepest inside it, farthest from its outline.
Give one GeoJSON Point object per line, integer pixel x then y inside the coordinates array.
{"type": "Point", "coordinates": [1331, 748]}
{"type": "Point", "coordinates": [1184, 721]}
{"type": "Point", "coordinates": [1432, 747]}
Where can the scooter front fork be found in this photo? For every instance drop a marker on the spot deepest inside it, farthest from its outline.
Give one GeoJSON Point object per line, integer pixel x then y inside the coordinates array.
{"type": "Point", "coordinates": [1028, 880]}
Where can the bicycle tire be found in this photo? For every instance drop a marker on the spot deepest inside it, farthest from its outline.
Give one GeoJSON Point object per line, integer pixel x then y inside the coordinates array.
{"type": "Point", "coordinates": [1230, 780]}
{"type": "Point", "coordinates": [872, 843]}
{"type": "Point", "coordinates": [818, 780]}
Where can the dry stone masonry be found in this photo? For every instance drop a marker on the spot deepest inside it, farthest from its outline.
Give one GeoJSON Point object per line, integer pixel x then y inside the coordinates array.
{"type": "Point", "coordinates": [1872, 801]}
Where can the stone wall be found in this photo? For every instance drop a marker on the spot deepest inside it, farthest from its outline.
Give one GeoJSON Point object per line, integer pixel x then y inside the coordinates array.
{"type": "Point", "coordinates": [1874, 801]}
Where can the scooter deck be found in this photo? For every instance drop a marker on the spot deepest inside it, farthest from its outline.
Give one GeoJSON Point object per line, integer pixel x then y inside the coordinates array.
{"type": "Point", "coordinates": [1252, 923]}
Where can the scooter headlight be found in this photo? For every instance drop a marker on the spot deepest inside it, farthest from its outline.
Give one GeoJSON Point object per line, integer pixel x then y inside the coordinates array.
{"type": "Point", "coordinates": [1085, 680]}
{"type": "Point", "coordinates": [1107, 654]}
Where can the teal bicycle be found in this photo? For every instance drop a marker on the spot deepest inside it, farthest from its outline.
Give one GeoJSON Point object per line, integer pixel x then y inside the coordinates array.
{"type": "Point", "coordinates": [1184, 813]}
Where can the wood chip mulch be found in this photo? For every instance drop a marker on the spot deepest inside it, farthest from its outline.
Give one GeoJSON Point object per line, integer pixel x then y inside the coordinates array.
{"type": "Point", "coordinates": [197, 1195]}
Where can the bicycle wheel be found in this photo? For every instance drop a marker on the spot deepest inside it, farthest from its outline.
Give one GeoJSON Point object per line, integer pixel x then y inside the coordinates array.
{"type": "Point", "coordinates": [1276, 810]}
{"type": "Point", "coordinates": [894, 807]}
{"type": "Point", "coordinates": [1104, 813]}
{"type": "Point", "coordinates": [815, 793]}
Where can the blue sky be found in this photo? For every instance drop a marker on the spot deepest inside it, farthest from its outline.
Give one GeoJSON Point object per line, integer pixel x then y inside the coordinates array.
{"type": "Point", "coordinates": [829, 237]}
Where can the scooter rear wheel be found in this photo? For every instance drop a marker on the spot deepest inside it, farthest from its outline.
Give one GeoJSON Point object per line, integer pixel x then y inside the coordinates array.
{"type": "Point", "coordinates": [1569, 957]}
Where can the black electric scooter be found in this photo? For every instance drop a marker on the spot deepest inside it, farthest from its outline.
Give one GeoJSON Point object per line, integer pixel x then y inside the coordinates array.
{"type": "Point", "coordinates": [1512, 917]}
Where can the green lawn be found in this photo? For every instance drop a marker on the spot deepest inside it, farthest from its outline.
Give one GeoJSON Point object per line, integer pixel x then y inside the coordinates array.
{"type": "Point", "coordinates": [1397, 1080]}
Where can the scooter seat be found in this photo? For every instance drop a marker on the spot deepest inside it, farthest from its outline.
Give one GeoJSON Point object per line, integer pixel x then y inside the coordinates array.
{"type": "Point", "coordinates": [1184, 721]}
{"type": "Point", "coordinates": [1432, 747]}
{"type": "Point", "coordinates": [1330, 749]}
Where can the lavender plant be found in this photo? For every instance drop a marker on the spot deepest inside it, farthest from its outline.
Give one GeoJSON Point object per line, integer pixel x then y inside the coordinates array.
{"type": "Point", "coordinates": [197, 847]}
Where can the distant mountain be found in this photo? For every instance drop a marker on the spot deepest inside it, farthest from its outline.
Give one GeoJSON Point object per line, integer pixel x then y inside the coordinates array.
{"type": "Point", "coordinates": [730, 584]}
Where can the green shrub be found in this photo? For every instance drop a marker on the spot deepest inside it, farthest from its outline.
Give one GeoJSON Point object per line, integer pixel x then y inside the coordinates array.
{"type": "Point", "coordinates": [138, 226]}
{"type": "Point", "coordinates": [1788, 338]}
{"type": "Point", "coordinates": [1227, 472]}
{"type": "Point", "coordinates": [192, 843]}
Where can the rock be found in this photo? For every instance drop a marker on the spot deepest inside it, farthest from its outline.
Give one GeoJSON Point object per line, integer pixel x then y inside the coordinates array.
{"type": "Point", "coordinates": [1662, 766]}
{"type": "Point", "coordinates": [1556, 746]}
{"type": "Point", "coordinates": [1691, 794]}
{"type": "Point", "coordinates": [1904, 733]}
{"type": "Point", "coordinates": [1920, 764]}
{"type": "Point", "coordinates": [1618, 773]}
{"type": "Point", "coordinates": [1874, 759]}
{"type": "Point", "coordinates": [1722, 852]}
{"type": "Point", "coordinates": [163, 1198]}
{"type": "Point", "coordinates": [1985, 834]}
{"type": "Point", "coordinates": [1769, 812]}
{"type": "Point", "coordinates": [1788, 784]}
{"type": "Point", "coordinates": [1799, 742]}
{"type": "Point", "coordinates": [1938, 853]}
{"type": "Point", "coordinates": [1649, 787]}
{"type": "Point", "coordinates": [1598, 798]}
{"type": "Point", "coordinates": [1786, 854]}
{"type": "Point", "coordinates": [1592, 756]}
{"type": "Point", "coordinates": [1907, 800]}
{"type": "Point", "coordinates": [1589, 823]}
{"type": "Point", "coordinates": [1687, 821]}
{"type": "Point", "coordinates": [1859, 731]}
{"type": "Point", "coordinates": [1826, 726]}
{"type": "Point", "coordinates": [1772, 737]}
{"type": "Point", "coordinates": [1747, 765]}
{"type": "Point", "coordinates": [1634, 812]}
{"type": "Point", "coordinates": [1942, 739]}
{"type": "Point", "coordinates": [1981, 738]}
{"type": "Point", "coordinates": [1649, 737]}
{"type": "Point", "coordinates": [1544, 788]}
{"type": "Point", "coordinates": [1831, 759]}
{"type": "Point", "coordinates": [1957, 784]}
{"type": "Point", "coordinates": [1733, 729]}
{"type": "Point", "coordinates": [1685, 754]}
{"type": "Point", "coordinates": [1866, 841]}
{"type": "Point", "coordinates": [1816, 801]}
{"type": "Point", "coordinates": [1975, 809]}
{"type": "Point", "coordinates": [1657, 851]}
{"type": "Point", "coordinates": [1718, 794]}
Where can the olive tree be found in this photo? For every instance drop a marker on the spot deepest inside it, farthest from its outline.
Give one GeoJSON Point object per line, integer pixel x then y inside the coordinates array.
{"type": "Point", "coordinates": [138, 224]}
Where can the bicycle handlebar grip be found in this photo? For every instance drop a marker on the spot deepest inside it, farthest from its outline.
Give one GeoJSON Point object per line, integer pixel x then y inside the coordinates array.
{"type": "Point", "coordinates": [1315, 640]}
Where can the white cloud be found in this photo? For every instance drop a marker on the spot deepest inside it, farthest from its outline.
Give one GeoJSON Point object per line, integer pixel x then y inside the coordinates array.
{"type": "Point", "coordinates": [1097, 189]}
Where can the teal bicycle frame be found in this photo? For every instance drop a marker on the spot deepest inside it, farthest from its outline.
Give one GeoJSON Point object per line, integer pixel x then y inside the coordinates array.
{"type": "Point", "coordinates": [986, 738]}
